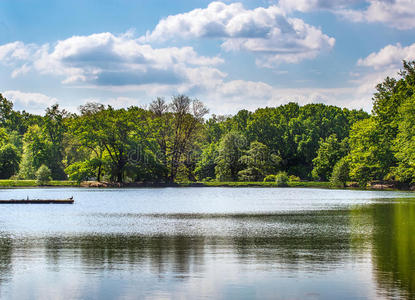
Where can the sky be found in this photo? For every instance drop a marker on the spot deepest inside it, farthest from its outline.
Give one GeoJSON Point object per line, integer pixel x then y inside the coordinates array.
{"type": "Point", "coordinates": [231, 55]}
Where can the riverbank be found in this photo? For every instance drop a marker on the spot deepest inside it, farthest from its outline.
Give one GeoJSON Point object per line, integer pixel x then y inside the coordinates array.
{"type": "Point", "coordinates": [95, 184]}
{"type": "Point", "coordinates": [7, 183]}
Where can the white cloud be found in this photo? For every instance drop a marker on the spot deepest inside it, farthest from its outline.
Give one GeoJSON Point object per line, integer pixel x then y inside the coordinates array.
{"type": "Point", "coordinates": [31, 102]}
{"type": "Point", "coordinates": [16, 51]}
{"type": "Point", "coordinates": [390, 56]}
{"type": "Point", "coordinates": [396, 13]}
{"type": "Point", "coordinates": [107, 60]}
{"type": "Point", "coordinates": [267, 32]}
{"type": "Point", "coordinates": [399, 14]}
{"type": "Point", "coordinates": [309, 5]}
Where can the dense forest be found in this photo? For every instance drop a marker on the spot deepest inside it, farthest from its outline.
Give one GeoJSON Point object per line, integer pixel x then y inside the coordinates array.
{"type": "Point", "coordinates": [177, 141]}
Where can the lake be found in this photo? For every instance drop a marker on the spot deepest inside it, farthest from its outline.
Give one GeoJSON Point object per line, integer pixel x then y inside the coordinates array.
{"type": "Point", "coordinates": [208, 243]}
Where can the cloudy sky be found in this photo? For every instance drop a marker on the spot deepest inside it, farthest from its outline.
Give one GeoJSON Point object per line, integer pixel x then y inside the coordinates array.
{"type": "Point", "coordinates": [231, 55]}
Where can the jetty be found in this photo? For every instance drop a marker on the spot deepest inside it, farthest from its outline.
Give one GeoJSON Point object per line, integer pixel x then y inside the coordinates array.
{"type": "Point", "coordinates": [38, 201]}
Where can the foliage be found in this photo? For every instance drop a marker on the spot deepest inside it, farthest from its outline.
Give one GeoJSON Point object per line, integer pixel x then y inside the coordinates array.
{"type": "Point", "coordinates": [404, 145]}
{"type": "Point", "coordinates": [329, 152]}
{"type": "Point", "coordinates": [9, 161]}
{"type": "Point", "coordinates": [340, 174]}
{"type": "Point", "coordinates": [294, 178]}
{"type": "Point", "coordinates": [172, 141]}
{"type": "Point", "coordinates": [43, 175]}
{"type": "Point", "coordinates": [269, 178]}
{"type": "Point", "coordinates": [259, 162]}
{"type": "Point", "coordinates": [81, 170]}
{"type": "Point", "coordinates": [205, 167]}
{"type": "Point", "coordinates": [230, 150]}
{"type": "Point", "coordinates": [281, 179]}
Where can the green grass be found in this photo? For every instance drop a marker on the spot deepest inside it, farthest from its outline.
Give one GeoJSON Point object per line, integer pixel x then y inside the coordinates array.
{"type": "Point", "coordinates": [33, 183]}
{"type": "Point", "coordinates": [269, 184]}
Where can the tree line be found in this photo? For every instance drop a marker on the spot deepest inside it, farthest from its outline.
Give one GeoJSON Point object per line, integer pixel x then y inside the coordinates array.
{"type": "Point", "coordinates": [177, 141]}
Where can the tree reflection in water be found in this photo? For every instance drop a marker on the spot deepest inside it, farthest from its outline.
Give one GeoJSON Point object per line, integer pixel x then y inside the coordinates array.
{"type": "Point", "coordinates": [306, 241]}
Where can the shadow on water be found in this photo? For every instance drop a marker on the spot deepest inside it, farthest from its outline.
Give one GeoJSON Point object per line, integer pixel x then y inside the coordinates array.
{"type": "Point", "coordinates": [6, 251]}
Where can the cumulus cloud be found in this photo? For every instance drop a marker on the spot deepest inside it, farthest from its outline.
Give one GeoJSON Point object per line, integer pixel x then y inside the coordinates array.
{"type": "Point", "coordinates": [105, 59]}
{"type": "Point", "coordinates": [387, 62]}
{"type": "Point", "coordinates": [309, 5]}
{"type": "Point", "coordinates": [32, 102]}
{"type": "Point", "coordinates": [399, 14]}
{"type": "Point", "coordinates": [267, 32]}
{"type": "Point", "coordinates": [230, 96]}
{"type": "Point", "coordinates": [390, 56]}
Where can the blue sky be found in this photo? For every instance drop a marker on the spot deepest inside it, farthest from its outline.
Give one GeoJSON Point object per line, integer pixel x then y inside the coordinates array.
{"type": "Point", "coordinates": [231, 54]}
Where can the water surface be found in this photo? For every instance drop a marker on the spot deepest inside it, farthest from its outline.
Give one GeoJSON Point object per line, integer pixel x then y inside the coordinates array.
{"type": "Point", "coordinates": [208, 243]}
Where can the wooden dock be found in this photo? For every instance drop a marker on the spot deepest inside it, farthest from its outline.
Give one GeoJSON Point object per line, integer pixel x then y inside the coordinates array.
{"type": "Point", "coordinates": [37, 201]}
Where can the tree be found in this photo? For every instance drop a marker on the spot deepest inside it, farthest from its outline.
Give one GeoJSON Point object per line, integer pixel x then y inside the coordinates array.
{"type": "Point", "coordinates": [205, 167]}
{"type": "Point", "coordinates": [43, 175]}
{"type": "Point", "coordinates": [81, 170]}
{"type": "Point", "coordinates": [36, 151]}
{"type": "Point", "coordinates": [187, 122]}
{"type": "Point", "coordinates": [82, 130]}
{"type": "Point", "coordinates": [259, 161]}
{"type": "Point", "coordinates": [53, 131]}
{"type": "Point", "coordinates": [230, 150]}
{"type": "Point", "coordinates": [404, 145]}
{"type": "Point", "coordinates": [369, 159]}
{"type": "Point", "coordinates": [328, 154]}
{"type": "Point", "coordinates": [9, 161]}
{"type": "Point", "coordinates": [340, 174]}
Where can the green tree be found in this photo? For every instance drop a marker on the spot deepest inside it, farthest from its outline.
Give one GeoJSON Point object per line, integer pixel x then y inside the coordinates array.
{"type": "Point", "coordinates": [187, 123]}
{"type": "Point", "coordinates": [54, 129]}
{"type": "Point", "coordinates": [81, 170]}
{"type": "Point", "coordinates": [404, 145]}
{"type": "Point", "coordinates": [36, 151]}
{"type": "Point", "coordinates": [206, 164]}
{"type": "Point", "coordinates": [259, 162]}
{"type": "Point", "coordinates": [43, 175]}
{"type": "Point", "coordinates": [9, 161]}
{"type": "Point", "coordinates": [369, 159]}
{"type": "Point", "coordinates": [340, 174]}
{"type": "Point", "coordinates": [328, 154]}
{"type": "Point", "coordinates": [230, 150]}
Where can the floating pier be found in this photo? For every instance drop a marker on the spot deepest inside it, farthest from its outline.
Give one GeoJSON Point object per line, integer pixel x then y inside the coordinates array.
{"type": "Point", "coordinates": [38, 201]}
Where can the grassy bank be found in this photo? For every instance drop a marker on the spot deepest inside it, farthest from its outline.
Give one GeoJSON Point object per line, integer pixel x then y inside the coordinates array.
{"type": "Point", "coordinates": [94, 184]}
{"type": "Point", "coordinates": [5, 183]}
{"type": "Point", "coordinates": [266, 184]}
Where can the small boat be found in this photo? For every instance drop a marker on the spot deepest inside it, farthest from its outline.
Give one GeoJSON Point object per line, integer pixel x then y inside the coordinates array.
{"type": "Point", "coordinates": [38, 201]}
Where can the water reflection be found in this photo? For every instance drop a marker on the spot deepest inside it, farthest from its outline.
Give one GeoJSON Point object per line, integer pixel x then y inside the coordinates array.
{"type": "Point", "coordinates": [5, 259]}
{"type": "Point", "coordinates": [362, 251]}
{"type": "Point", "coordinates": [394, 249]}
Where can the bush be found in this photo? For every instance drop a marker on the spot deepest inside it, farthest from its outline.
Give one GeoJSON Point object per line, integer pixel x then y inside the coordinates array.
{"type": "Point", "coordinates": [80, 171]}
{"type": "Point", "coordinates": [281, 179]}
{"type": "Point", "coordinates": [294, 178]}
{"type": "Point", "coordinates": [340, 174]}
{"type": "Point", "coordinates": [43, 175]}
{"type": "Point", "coordinates": [269, 178]}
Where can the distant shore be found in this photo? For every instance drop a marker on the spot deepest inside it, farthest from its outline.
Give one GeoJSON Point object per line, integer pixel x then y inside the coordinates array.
{"type": "Point", "coordinates": [96, 184]}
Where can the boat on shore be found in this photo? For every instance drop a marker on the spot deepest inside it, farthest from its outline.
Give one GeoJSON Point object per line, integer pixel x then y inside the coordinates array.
{"type": "Point", "coordinates": [38, 201]}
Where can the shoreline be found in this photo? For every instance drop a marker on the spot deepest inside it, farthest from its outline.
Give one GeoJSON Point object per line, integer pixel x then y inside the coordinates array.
{"type": "Point", "coordinates": [11, 184]}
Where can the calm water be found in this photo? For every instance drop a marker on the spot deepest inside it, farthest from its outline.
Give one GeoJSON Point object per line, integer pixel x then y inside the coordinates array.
{"type": "Point", "coordinates": [208, 243]}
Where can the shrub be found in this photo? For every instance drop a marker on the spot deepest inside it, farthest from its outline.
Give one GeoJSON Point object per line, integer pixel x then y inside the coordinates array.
{"type": "Point", "coordinates": [43, 175]}
{"type": "Point", "coordinates": [281, 179]}
{"type": "Point", "coordinates": [269, 178]}
{"type": "Point", "coordinates": [294, 178]}
{"type": "Point", "coordinates": [80, 171]}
